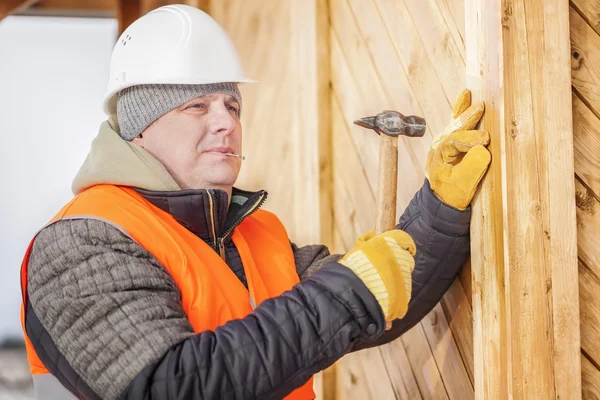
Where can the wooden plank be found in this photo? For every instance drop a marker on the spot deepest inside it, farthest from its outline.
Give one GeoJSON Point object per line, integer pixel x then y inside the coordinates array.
{"type": "Point", "coordinates": [588, 227]}
{"type": "Point", "coordinates": [261, 32]}
{"type": "Point", "coordinates": [590, 377]}
{"type": "Point", "coordinates": [448, 14]}
{"type": "Point", "coordinates": [352, 382]}
{"type": "Point", "coordinates": [311, 130]}
{"type": "Point", "coordinates": [484, 58]}
{"type": "Point", "coordinates": [423, 364]}
{"type": "Point", "coordinates": [400, 371]}
{"type": "Point", "coordinates": [8, 7]}
{"type": "Point", "coordinates": [447, 356]}
{"type": "Point", "coordinates": [357, 77]}
{"type": "Point", "coordinates": [542, 254]}
{"type": "Point", "coordinates": [518, 55]}
{"type": "Point", "coordinates": [465, 280]}
{"type": "Point", "coordinates": [585, 61]}
{"type": "Point", "coordinates": [457, 10]}
{"type": "Point", "coordinates": [589, 301]}
{"type": "Point", "coordinates": [127, 12]}
{"type": "Point", "coordinates": [439, 44]}
{"type": "Point", "coordinates": [460, 319]}
{"type": "Point", "coordinates": [422, 79]}
{"type": "Point", "coordinates": [353, 200]}
{"type": "Point", "coordinates": [586, 138]}
{"type": "Point", "coordinates": [590, 10]}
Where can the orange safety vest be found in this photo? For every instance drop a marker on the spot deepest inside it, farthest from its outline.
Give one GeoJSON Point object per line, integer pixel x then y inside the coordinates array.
{"type": "Point", "coordinates": [211, 293]}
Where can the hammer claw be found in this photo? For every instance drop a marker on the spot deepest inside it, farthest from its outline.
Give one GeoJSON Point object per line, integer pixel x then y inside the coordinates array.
{"type": "Point", "coordinates": [366, 122]}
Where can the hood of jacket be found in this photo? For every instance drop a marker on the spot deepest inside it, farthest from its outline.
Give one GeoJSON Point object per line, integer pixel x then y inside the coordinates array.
{"type": "Point", "coordinates": [112, 160]}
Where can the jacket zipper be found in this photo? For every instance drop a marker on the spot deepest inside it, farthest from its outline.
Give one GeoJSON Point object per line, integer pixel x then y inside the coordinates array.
{"type": "Point", "coordinates": [212, 219]}
{"type": "Point", "coordinates": [221, 240]}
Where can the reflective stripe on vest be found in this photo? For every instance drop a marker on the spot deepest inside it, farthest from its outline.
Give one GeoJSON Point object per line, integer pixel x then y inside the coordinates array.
{"type": "Point", "coordinates": [211, 293]}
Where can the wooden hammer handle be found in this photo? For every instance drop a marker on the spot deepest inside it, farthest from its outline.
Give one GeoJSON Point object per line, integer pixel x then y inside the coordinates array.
{"type": "Point", "coordinates": [387, 182]}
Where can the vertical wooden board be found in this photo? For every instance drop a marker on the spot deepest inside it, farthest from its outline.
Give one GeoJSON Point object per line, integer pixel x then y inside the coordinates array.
{"type": "Point", "coordinates": [423, 364]}
{"type": "Point", "coordinates": [541, 248]}
{"type": "Point", "coordinates": [590, 377]}
{"type": "Point", "coordinates": [484, 78]}
{"type": "Point", "coordinates": [590, 9]}
{"type": "Point", "coordinates": [311, 128]}
{"type": "Point", "coordinates": [447, 357]}
{"type": "Point", "coordinates": [585, 60]}
{"type": "Point", "coordinates": [558, 133]}
{"type": "Point", "coordinates": [588, 227]}
{"type": "Point", "coordinates": [586, 138]}
{"type": "Point", "coordinates": [400, 371]}
{"type": "Point", "coordinates": [459, 314]}
{"type": "Point", "coordinates": [465, 277]}
{"type": "Point", "coordinates": [589, 287]}
{"type": "Point", "coordinates": [267, 114]}
{"type": "Point", "coordinates": [439, 45]}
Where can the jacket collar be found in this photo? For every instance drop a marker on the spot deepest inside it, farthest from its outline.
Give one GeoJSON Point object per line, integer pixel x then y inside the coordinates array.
{"type": "Point", "coordinates": [207, 212]}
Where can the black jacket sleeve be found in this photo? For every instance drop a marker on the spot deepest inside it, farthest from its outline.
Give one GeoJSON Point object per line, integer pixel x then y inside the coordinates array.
{"type": "Point", "coordinates": [441, 234]}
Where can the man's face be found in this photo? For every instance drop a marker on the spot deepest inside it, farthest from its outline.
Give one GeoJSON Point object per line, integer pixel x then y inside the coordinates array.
{"type": "Point", "coordinates": [190, 141]}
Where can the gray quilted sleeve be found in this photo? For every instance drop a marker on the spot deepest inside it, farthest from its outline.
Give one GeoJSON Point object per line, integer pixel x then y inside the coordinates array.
{"type": "Point", "coordinates": [108, 305]}
{"type": "Point", "coordinates": [311, 258]}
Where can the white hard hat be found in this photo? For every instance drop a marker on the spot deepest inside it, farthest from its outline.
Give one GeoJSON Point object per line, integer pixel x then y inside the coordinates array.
{"type": "Point", "coordinates": [175, 44]}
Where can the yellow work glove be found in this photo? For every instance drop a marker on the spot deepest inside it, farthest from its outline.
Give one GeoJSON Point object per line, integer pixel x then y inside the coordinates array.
{"type": "Point", "coordinates": [458, 159]}
{"type": "Point", "coordinates": [385, 264]}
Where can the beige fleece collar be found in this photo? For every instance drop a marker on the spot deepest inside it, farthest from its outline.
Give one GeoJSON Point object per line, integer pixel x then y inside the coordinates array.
{"type": "Point", "coordinates": [112, 160]}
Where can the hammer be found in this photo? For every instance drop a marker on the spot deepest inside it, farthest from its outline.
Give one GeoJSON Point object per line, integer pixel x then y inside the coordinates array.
{"type": "Point", "coordinates": [389, 125]}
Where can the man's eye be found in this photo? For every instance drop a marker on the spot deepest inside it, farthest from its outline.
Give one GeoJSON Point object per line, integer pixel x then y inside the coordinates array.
{"type": "Point", "coordinates": [232, 108]}
{"type": "Point", "coordinates": [197, 105]}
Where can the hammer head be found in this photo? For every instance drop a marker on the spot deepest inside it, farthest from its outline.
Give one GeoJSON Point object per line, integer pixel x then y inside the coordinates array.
{"type": "Point", "coordinates": [392, 123]}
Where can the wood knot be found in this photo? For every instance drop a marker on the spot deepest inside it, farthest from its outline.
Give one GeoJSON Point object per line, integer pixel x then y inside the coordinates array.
{"type": "Point", "coordinates": [353, 379]}
{"type": "Point", "coordinates": [513, 129]}
{"type": "Point", "coordinates": [506, 15]}
{"type": "Point", "coordinates": [585, 201]}
{"type": "Point", "coordinates": [576, 60]}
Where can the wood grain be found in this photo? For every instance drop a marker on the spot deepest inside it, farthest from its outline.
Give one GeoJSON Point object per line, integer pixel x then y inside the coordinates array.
{"type": "Point", "coordinates": [586, 139]}
{"type": "Point", "coordinates": [585, 60]}
{"type": "Point", "coordinates": [484, 58]}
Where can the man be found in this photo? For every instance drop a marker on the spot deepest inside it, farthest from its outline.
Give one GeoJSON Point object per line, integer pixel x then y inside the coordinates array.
{"type": "Point", "coordinates": [161, 280]}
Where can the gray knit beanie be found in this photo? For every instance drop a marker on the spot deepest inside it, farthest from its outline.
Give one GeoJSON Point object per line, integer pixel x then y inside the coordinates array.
{"type": "Point", "coordinates": [139, 106]}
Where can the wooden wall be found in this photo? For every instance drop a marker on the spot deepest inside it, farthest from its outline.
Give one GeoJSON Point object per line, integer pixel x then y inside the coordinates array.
{"type": "Point", "coordinates": [407, 55]}
{"type": "Point", "coordinates": [585, 65]}
{"type": "Point", "coordinates": [403, 55]}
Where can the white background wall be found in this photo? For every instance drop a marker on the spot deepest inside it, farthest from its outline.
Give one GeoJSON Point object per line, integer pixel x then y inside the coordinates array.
{"type": "Point", "coordinates": [53, 73]}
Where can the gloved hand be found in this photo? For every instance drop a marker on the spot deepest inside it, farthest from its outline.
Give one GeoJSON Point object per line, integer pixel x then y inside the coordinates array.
{"type": "Point", "coordinates": [458, 159]}
{"type": "Point", "coordinates": [385, 264]}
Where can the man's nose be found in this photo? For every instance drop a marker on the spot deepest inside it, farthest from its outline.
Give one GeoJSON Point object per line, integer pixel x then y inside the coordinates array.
{"type": "Point", "coordinates": [221, 120]}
